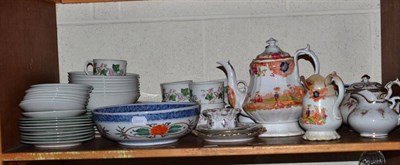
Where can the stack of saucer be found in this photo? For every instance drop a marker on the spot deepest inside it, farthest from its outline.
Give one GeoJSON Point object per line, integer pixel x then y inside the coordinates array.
{"type": "Point", "coordinates": [56, 115]}
{"type": "Point", "coordinates": [108, 90]}
{"type": "Point", "coordinates": [56, 132]}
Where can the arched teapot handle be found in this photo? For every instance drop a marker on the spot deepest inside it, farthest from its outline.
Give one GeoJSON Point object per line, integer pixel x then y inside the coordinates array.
{"type": "Point", "coordinates": [305, 51]}
{"type": "Point", "coordinates": [389, 97]}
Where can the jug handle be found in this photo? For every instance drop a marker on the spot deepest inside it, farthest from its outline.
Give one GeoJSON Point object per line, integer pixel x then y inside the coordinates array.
{"type": "Point", "coordinates": [339, 82]}
{"type": "Point", "coordinates": [388, 97]}
{"type": "Point", "coordinates": [305, 51]}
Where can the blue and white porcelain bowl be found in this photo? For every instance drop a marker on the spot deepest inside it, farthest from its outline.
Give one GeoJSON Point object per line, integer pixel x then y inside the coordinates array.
{"type": "Point", "coordinates": [145, 124]}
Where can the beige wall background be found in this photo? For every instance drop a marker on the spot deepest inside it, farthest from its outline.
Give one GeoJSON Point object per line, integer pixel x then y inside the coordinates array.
{"type": "Point", "coordinates": [176, 40]}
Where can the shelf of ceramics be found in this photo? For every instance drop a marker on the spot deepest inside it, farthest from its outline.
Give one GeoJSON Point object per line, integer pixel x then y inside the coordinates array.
{"type": "Point", "coordinates": [191, 145]}
{"type": "Point", "coordinates": [86, 1]}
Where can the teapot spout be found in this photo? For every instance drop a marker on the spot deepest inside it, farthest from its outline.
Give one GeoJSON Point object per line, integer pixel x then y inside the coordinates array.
{"type": "Point", "coordinates": [235, 96]}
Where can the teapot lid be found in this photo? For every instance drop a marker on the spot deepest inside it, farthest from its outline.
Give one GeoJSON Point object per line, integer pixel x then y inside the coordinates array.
{"type": "Point", "coordinates": [273, 51]}
{"type": "Point", "coordinates": [365, 84]}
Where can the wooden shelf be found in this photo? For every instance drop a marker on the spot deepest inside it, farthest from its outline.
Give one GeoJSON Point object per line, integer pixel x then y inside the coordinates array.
{"type": "Point", "coordinates": [86, 1]}
{"type": "Point", "coordinates": [192, 146]}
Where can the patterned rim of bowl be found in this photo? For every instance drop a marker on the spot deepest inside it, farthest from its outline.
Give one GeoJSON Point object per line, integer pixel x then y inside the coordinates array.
{"type": "Point", "coordinates": [145, 108]}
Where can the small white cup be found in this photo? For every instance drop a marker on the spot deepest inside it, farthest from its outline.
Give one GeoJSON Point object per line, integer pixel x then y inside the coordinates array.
{"type": "Point", "coordinates": [176, 91]}
{"type": "Point", "coordinates": [221, 118]}
{"type": "Point", "coordinates": [202, 119]}
{"type": "Point", "coordinates": [207, 92]}
{"type": "Point", "coordinates": [106, 67]}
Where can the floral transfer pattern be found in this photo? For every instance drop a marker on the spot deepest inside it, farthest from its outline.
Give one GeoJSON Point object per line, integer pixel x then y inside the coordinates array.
{"type": "Point", "coordinates": [277, 99]}
{"type": "Point", "coordinates": [174, 96]}
{"type": "Point", "coordinates": [231, 97]}
{"type": "Point", "coordinates": [317, 95]}
{"type": "Point", "coordinates": [281, 68]}
{"type": "Point", "coordinates": [150, 130]}
{"type": "Point", "coordinates": [210, 95]}
{"type": "Point", "coordinates": [104, 70]}
{"type": "Point", "coordinates": [313, 115]}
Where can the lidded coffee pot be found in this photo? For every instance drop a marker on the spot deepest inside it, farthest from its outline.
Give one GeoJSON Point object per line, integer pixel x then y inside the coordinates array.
{"type": "Point", "coordinates": [274, 95]}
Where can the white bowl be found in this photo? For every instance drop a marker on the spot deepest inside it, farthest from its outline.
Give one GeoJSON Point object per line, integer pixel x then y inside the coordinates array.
{"type": "Point", "coordinates": [50, 105]}
{"type": "Point", "coordinates": [57, 95]}
{"type": "Point", "coordinates": [109, 99]}
{"type": "Point", "coordinates": [62, 86]}
{"type": "Point", "coordinates": [53, 114]}
{"type": "Point", "coordinates": [76, 99]}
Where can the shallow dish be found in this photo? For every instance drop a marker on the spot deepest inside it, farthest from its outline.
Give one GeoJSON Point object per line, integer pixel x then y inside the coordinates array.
{"type": "Point", "coordinates": [50, 105]}
{"type": "Point", "coordinates": [244, 132]}
{"type": "Point", "coordinates": [146, 123]}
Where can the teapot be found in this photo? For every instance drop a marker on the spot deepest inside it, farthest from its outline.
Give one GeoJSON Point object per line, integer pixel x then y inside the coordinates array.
{"type": "Point", "coordinates": [349, 103]}
{"type": "Point", "coordinates": [321, 116]}
{"type": "Point", "coordinates": [374, 117]}
{"type": "Point", "coordinates": [274, 95]}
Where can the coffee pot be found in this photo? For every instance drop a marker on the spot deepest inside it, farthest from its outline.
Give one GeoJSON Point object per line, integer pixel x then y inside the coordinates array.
{"type": "Point", "coordinates": [274, 95]}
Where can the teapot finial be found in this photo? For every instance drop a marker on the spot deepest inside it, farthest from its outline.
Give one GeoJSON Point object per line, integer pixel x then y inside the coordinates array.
{"type": "Point", "coordinates": [271, 41]}
{"type": "Point", "coordinates": [365, 78]}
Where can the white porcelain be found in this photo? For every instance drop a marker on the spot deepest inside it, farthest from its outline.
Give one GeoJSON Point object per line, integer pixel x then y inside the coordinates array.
{"type": "Point", "coordinates": [50, 105]}
{"type": "Point", "coordinates": [97, 100]}
{"type": "Point", "coordinates": [57, 95]}
{"type": "Point", "coordinates": [57, 132]}
{"type": "Point", "coordinates": [202, 119]}
{"type": "Point", "coordinates": [53, 114]}
{"type": "Point", "coordinates": [58, 144]}
{"type": "Point", "coordinates": [176, 91]}
{"type": "Point", "coordinates": [207, 92]}
{"type": "Point", "coordinates": [375, 117]}
{"type": "Point", "coordinates": [82, 74]}
{"type": "Point", "coordinates": [321, 116]}
{"type": "Point", "coordinates": [146, 123]}
{"type": "Point", "coordinates": [241, 133]}
{"type": "Point", "coordinates": [221, 118]}
{"type": "Point", "coordinates": [61, 86]}
{"type": "Point", "coordinates": [61, 98]}
{"type": "Point", "coordinates": [274, 94]}
{"type": "Point", "coordinates": [350, 103]}
{"type": "Point", "coordinates": [106, 67]}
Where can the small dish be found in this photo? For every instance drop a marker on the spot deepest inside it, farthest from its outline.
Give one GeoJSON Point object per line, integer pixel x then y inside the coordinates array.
{"type": "Point", "coordinates": [53, 114]}
{"type": "Point", "coordinates": [243, 132]}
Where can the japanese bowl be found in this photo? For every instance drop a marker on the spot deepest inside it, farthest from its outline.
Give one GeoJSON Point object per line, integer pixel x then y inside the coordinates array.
{"type": "Point", "coordinates": [146, 124]}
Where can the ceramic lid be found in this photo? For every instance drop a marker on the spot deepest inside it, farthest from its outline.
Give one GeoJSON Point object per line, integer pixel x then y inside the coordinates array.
{"type": "Point", "coordinates": [272, 51]}
{"type": "Point", "coordinates": [365, 84]}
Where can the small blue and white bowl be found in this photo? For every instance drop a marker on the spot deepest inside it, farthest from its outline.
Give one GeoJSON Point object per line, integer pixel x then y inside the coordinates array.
{"type": "Point", "coordinates": [146, 124]}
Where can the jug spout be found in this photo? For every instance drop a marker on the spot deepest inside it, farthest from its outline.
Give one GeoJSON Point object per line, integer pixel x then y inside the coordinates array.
{"type": "Point", "coordinates": [235, 96]}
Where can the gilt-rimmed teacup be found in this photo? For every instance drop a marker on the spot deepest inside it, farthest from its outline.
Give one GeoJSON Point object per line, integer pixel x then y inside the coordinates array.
{"type": "Point", "coordinates": [221, 118]}
{"type": "Point", "coordinates": [202, 119]}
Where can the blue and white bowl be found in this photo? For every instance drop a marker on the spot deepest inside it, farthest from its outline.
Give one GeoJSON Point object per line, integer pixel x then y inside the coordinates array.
{"type": "Point", "coordinates": [145, 124]}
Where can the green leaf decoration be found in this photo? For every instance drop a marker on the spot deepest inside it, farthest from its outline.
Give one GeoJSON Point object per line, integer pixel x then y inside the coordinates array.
{"type": "Point", "coordinates": [172, 97]}
{"type": "Point", "coordinates": [209, 97]}
{"type": "Point", "coordinates": [103, 72]}
{"type": "Point", "coordinates": [143, 131]}
{"type": "Point", "coordinates": [175, 128]}
{"type": "Point", "coordinates": [116, 67]}
{"type": "Point", "coordinates": [185, 92]}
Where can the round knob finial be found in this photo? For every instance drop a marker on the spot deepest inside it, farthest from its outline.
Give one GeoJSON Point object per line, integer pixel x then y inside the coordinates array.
{"type": "Point", "coordinates": [271, 41]}
{"type": "Point", "coordinates": [365, 78]}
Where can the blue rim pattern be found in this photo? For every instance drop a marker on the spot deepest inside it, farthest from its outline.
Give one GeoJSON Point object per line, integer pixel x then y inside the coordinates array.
{"type": "Point", "coordinates": [142, 107]}
{"type": "Point", "coordinates": [150, 117]}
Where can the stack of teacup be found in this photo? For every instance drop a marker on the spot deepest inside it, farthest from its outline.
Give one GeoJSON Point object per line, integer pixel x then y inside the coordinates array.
{"type": "Point", "coordinates": [209, 94]}
{"type": "Point", "coordinates": [112, 85]}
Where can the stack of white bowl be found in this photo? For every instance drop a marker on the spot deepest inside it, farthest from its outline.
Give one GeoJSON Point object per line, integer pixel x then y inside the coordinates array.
{"type": "Point", "coordinates": [56, 115]}
{"type": "Point", "coordinates": [108, 90]}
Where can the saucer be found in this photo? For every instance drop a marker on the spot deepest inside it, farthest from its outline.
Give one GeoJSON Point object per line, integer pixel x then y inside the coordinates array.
{"type": "Point", "coordinates": [243, 132]}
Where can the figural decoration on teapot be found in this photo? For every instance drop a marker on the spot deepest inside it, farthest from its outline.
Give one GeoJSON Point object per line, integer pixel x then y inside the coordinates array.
{"type": "Point", "coordinates": [274, 95]}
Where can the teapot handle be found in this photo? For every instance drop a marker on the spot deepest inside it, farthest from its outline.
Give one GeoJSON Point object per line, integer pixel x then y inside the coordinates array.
{"type": "Point", "coordinates": [388, 97]}
{"type": "Point", "coordinates": [308, 52]}
{"type": "Point", "coordinates": [339, 82]}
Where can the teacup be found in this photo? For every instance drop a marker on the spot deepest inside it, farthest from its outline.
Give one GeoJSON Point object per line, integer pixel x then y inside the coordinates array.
{"type": "Point", "coordinates": [225, 89]}
{"type": "Point", "coordinates": [176, 91]}
{"type": "Point", "coordinates": [202, 119]}
{"type": "Point", "coordinates": [106, 67]}
{"type": "Point", "coordinates": [221, 118]}
{"type": "Point", "coordinates": [207, 92]}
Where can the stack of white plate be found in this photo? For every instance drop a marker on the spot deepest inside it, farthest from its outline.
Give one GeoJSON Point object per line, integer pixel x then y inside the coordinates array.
{"type": "Point", "coordinates": [56, 132]}
{"type": "Point", "coordinates": [108, 90]}
{"type": "Point", "coordinates": [55, 100]}
{"type": "Point", "coordinates": [56, 115]}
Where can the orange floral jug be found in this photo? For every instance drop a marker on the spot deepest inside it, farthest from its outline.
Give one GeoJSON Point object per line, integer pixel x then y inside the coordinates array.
{"type": "Point", "coordinates": [320, 115]}
{"type": "Point", "coordinates": [274, 95]}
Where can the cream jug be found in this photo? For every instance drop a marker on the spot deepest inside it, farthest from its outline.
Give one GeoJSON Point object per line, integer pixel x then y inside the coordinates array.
{"type": "Point", "coordinates": [274, 95]}
{"type": "Point", "coordinates": [321, 116]}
